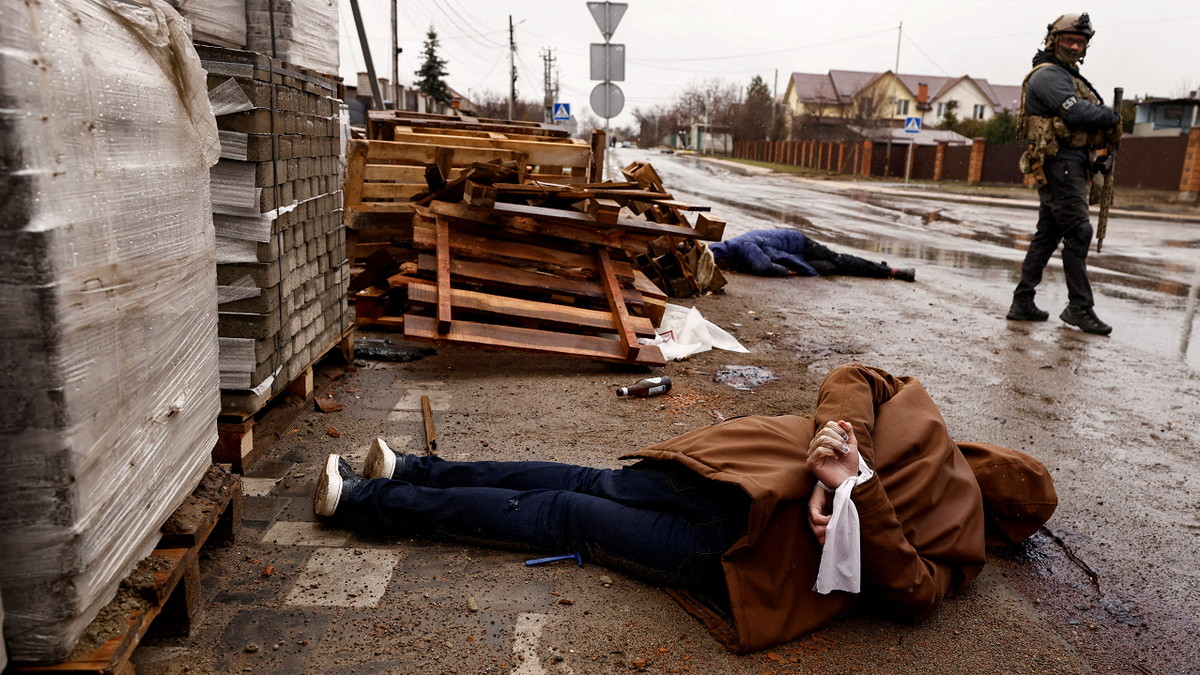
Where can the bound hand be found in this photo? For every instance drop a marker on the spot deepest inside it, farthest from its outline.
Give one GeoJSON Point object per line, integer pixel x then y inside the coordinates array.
{"type": "Point", "coordinates": [833, 454]}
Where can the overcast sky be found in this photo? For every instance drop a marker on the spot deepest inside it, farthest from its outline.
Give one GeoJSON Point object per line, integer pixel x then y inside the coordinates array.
{"type": "Point", "coordinates": [1149, 48]}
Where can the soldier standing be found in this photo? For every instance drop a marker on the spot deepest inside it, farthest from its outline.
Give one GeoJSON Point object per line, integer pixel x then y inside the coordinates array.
{"type": "Point", "coordinates": [1063, 121]}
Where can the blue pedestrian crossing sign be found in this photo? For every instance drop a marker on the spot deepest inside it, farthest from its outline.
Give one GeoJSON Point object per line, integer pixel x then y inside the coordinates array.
{"type": "Point", "coordinates": [912, 125]}
{"type": "Point", "coordinates": [562, 112]}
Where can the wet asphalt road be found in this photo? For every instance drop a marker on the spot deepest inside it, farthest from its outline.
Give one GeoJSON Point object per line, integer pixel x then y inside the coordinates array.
{"type": "Point", "coordinates": [1117, 571]}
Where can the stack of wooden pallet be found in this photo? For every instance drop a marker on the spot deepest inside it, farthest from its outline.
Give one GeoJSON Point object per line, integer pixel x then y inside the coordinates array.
{"type": "Point", "coordinates": [282, 272]}
{"type": "Point", "coordinates": [502, 260]}
{"type": "Point", "coordinates": [384, 174]}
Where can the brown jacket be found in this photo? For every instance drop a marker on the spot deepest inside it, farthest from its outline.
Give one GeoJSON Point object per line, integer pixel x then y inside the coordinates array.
{"type": "Point", "coordinates": [923, 516]}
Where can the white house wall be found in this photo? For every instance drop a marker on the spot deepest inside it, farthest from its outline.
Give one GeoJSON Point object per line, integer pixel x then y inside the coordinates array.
{"type": "Point", "coordinates": [968, 96]}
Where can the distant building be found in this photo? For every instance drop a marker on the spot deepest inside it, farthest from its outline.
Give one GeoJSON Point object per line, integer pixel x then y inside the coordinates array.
{"type": "Point", "coordinates": [1167, 117]}
{"type": "Point", "coordinates": [885, 99]}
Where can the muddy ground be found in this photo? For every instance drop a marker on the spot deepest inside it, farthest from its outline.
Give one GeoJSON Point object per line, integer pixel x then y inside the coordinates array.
{"type": "Point", "coordinates": [1111, 585]}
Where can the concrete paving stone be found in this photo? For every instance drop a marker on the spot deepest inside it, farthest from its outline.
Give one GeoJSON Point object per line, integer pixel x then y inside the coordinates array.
{"type": "Point", "coordinates": [262, 509]}
{"type": "Point", "coordinates": [266, 628]}
{"type": "Point", "coordinates": [270, 468]}
{"type": "Point", "coordinates": [306, 534]}
{"type": "Point", "coordinates": [344, 578]}
{"type": "Point", "coordinates": [257, 487]}
{"type": "Point", "coordinates": [527, 635]}
{"type": "Point", "coordinates": [244, 584]}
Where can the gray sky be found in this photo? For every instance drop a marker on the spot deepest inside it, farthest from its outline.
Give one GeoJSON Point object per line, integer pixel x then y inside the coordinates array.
{"type": "Point", "coordinates": [1149, 48]}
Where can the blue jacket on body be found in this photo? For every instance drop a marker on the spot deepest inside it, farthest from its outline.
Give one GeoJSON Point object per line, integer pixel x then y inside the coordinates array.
{"type": "Point", "coordinates": [772, 253]}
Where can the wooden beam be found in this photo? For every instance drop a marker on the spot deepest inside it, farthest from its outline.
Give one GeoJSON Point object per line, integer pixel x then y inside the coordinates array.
{"type": "Point", "coordinates": [621, 240]}
{"type": "Point", "coordinates": [427, 416]}
{"type": "Point", "coordinates": [418, 153]}
{"type": "Point", "coordinates": [509, 277]}
{"type": "Point", "coordinates": [356, 161]}
{"type": "Point", "coordinates": [423, 293]}
{"type": "Point", "coordinates": [443, 274]}
{"type": "Point", "coordinates": [541, 153]}
{"type": "Point", "coordinates": [595, 172]}
{"type": "Point", "coordinates": [577, 219]}
{"type": "Point", "coordinates": [628, 340]}
{"type": "Point", "coordinates": [486, 248]}
{"type": "Point", "coordinates": [528, 340]}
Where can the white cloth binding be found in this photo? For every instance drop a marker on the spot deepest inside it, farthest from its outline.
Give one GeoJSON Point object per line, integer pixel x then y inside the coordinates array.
{"type": "Point", "coordinates": [841, 560]}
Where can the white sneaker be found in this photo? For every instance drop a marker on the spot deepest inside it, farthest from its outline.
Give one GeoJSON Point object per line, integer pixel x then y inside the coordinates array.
{"type": "Point", "coordinates": [381, 461]}
{"type": "Point", "coordinates": [329, 488]}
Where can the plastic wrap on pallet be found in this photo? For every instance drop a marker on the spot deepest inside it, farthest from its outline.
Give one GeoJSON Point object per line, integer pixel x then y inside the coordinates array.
{"type": "Point", "coordinates": [3, 651]}
{"type": "Point", "coordinates": [218, 22]}
{"type": "Point", "coordinates": [306, 32]}
{"type": "Point", "coordinates": [108, 335]}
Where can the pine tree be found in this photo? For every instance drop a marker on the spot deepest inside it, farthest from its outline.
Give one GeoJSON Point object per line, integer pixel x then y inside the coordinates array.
{"type": "Point", "coordinates": [433, 69]}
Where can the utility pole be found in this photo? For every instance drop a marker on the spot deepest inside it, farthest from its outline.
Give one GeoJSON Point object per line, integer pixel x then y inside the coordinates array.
{"type": "Point", "coordinates": [512, 69]}
{"type": "Point", "coordinates": [362, 39]}
{"type": "Point", "coordinates": [774, 103]}
{"type": "Point", "coordinates": [548, 85]}
{"type": "Point", "coordinates": [395, 60]}
{"type": "Point", "coordinates": [887, 167]}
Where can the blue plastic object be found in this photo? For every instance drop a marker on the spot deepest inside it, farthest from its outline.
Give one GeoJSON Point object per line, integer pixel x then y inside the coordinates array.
{"type": "Point", "coordinates": [570, 556]}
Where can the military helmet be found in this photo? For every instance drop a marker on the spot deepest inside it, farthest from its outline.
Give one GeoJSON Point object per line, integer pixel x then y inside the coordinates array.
{"type": "Point", "coordinates": [1071, 23]}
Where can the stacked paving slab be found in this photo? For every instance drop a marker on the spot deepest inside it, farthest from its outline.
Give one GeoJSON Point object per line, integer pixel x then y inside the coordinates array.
{"type": "Point", "coordinates": [108, 308]}
{"type": "Point", "coordinates": [282, 272]}
{"type": "Point", "coordinates": [306, 31]}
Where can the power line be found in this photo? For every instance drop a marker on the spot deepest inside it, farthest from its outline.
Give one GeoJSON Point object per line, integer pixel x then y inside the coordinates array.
{"type": "Point", "coordinates": [769, 53]}
{"type": "Point", "coordinates": [918, 47]}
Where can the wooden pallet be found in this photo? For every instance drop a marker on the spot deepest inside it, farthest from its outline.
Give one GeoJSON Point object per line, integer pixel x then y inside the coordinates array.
{"type": "Point", "coordinates": [235, 425]}
{"type": "Point", "coordinates": [381, 122]}
{"type": "Point", "coordinates": [496, 287]}
{"type": "Point", "coordinates": [213, 513]}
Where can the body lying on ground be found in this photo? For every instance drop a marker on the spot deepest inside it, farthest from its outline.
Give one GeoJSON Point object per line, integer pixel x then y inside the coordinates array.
{"type": "Point", "coordinates": [731, 518]}
{"type": "Point", "coordinates": [784, 252]}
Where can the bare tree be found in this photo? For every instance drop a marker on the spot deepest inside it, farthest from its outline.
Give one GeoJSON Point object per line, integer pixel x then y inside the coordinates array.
{"type": "Point", "coordinates": [820, 119]}
{"type": "Point", "coordinates": [1185, 87]}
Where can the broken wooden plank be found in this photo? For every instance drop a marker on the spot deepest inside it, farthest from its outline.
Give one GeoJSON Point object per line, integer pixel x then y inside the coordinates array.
{"type": "Point", "coordinates": [710, 227]}
{"type": "Point", "coordinates": [595, 167]}
{"type": "Point", "coordinates": [418, 153]}
{"type": "Point", "coordinates": [486, 248]}
{"type": "Point", "coordinates": [584, 220]}
{"type": "Point", "coordinates": [356, 160]}
{"type": "Point", "coordinates": [508, 277]}
{"type": "Point", "coordinates": [628, 340]}
{"type": "Point", "coordinates": [618, 239]}
{"type": "Point", "coordinates": [541, 153]}
{"type": "Point", "coordinates": [427, 416]}
{"type": "Point", "coordinates": [527, 340]}
{"type": "Point", "coordinates": [421, 292]}
{"type": "Point", "coordinates": [479, 195]}
{"type": "Point", "coordinates": [443, 274]}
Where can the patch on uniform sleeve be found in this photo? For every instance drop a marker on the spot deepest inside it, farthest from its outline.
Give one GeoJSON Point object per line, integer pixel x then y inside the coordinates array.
{"type": "Point", "coordinates": [1069, 103]}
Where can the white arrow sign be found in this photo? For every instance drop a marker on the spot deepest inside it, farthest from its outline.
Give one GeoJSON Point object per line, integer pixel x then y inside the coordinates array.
{"type": "Point", "coordinates": [607, 15]}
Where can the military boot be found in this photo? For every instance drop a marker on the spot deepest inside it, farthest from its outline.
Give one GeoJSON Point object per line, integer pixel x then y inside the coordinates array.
{"type": "Point", "coordinates": [1023, 309]}
{"type": "Point", "coordinates": [1085, 319]}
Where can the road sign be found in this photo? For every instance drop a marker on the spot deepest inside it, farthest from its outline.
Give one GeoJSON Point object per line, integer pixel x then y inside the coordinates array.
{"type": "Point", "coordinates": [607, 16]}
{"type": "Point", "coordinates": [611, 55]}
{"type": "Point", "coordinates": [912, 125]}
{"type": "Point", "coordinates": [562, 112]}
{"type": "Point", "coordinates": [607, 100]}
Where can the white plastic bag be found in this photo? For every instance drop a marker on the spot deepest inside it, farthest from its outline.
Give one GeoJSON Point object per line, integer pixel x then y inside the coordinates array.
{"type": "Point", "coordinates": [684, 332]}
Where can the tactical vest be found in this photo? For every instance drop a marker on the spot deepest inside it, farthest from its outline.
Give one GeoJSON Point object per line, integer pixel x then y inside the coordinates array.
{"type": "Point", "coordinates": [1045, 134]}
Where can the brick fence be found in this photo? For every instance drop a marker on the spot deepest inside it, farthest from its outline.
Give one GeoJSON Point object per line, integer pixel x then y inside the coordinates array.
{"type": "Point", "coordinates": [1152, 162]}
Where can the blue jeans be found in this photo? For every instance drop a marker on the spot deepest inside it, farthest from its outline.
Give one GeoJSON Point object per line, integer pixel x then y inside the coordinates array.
{"type": "Point", "coordinates": [655, 520]}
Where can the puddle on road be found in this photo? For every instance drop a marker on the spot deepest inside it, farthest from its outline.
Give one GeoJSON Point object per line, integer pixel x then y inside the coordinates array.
{"type": "Point", "coordinates": [744, 378]}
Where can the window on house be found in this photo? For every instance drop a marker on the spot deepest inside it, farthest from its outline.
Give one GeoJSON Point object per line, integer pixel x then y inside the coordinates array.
{"type": "Point", "coordinates": [901, 107]}
{"type": "Point", "coordinates": [941, 110]}
{"type": "Point", "coordinates": [977, 113]}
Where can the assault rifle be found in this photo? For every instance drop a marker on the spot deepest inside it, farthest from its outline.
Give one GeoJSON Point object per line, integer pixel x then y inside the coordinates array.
{"type": "Point", "coordinates": [1107, 167]}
